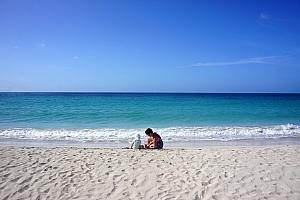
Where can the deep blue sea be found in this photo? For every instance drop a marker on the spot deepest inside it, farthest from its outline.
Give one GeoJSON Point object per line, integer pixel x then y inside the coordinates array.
{"type": "Point", "coordinates": [119, 116]}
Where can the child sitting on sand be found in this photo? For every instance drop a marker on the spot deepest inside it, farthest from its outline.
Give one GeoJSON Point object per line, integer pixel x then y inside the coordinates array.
{"type": "Point", "coordinates": [136, 143]}
{"type": "Point", "coordinates": [154, 140]}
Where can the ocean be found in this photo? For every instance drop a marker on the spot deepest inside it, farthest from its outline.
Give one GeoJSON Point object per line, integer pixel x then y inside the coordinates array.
{"type": "Point", "coordinates": [117, 117]}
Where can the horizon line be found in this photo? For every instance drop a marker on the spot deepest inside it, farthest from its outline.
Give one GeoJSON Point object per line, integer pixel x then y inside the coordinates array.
{"type": "Point", "coordinates": [119, 92]}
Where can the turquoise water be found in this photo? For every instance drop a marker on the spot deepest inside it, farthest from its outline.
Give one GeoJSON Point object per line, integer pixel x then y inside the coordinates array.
{"type": "Point", "coordinates": [115, 110]}
{"type": "Point", "coordinates": [110, 114]}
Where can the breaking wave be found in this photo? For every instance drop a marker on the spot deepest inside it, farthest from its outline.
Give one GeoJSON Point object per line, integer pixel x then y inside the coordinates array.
{"type": "Point", "coordinates": [225, 133]}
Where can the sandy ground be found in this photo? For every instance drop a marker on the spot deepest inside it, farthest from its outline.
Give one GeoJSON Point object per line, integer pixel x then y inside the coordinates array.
{"type": "Point", "coordinates": [266, 172]}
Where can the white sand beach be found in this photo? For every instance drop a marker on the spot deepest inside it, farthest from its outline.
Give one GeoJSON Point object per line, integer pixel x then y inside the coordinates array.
{"type": "Point", "coordinates": [263, 172]}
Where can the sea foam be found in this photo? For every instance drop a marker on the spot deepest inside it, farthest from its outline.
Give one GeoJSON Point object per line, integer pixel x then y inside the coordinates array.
{"type": "Point", "coordinates": [225, 133]}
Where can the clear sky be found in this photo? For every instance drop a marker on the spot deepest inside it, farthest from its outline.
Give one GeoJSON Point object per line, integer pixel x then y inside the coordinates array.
{"type": "Point", "coordinates": [150, 46]}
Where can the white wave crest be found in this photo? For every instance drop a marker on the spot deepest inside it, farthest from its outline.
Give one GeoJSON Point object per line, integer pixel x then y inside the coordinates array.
{"type": "Point", "coordinates": [170, 134]}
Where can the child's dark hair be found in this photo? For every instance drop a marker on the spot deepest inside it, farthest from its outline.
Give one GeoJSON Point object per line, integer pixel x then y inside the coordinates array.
{"type": "Point", "coordinates": [148, 131]}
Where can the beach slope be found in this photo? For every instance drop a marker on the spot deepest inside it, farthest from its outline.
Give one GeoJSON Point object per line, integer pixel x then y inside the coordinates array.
{"type": "Point", "coordinates": [265, 172]}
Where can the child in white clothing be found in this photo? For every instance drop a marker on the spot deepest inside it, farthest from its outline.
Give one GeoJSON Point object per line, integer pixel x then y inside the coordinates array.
{"type": "Point", "coordinates": [136, 143]}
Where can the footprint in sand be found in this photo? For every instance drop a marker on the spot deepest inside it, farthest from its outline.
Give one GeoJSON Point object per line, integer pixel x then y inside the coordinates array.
{"type": "Point", "coordinates": [6, 197]}
{"type": "Point", "coordinates": [15, 179]}
{"type": "Point", "coordinates": [133, 182]}
{"type": "Point", "coordinates": [23, 188]}
{"type": "Point", "coordinates": [26, 180]}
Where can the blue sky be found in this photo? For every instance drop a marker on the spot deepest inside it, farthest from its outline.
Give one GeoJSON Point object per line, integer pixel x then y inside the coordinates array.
{"type": "Point", "coordinates": [150, 46]}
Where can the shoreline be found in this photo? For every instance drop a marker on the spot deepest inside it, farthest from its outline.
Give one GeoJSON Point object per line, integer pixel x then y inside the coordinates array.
{"type": "Point", "coordinates": [118, 144]}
